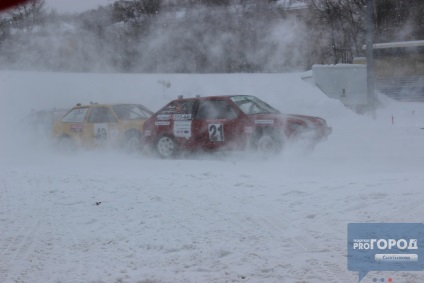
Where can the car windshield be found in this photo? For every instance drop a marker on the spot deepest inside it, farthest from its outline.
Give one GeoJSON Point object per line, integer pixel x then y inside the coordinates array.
{"type": "Point", "coordinates": [131, 112]}
{"type": "Point", "coordinates": [251, 105]}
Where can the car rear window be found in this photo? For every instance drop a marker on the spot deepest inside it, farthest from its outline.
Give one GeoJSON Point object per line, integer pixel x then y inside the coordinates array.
{"type": "Point", "coordinates": [75, 116]}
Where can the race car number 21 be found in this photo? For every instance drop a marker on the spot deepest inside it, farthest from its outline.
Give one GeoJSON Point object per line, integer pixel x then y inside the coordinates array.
{"type": "Point", "coordinates": [216, 132]}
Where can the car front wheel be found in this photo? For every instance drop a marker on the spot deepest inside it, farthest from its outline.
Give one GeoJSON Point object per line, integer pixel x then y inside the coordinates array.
{"type": "Point", "coordinates": [268, 144]}
{"type": "Point", "coordinates": [166, 147]}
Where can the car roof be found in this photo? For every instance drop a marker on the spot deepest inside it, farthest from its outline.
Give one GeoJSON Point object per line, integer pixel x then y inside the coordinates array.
{"type": "Point", "coordinates": [208, 97]}
{"type": "Point", "coordinates": [79, 105]}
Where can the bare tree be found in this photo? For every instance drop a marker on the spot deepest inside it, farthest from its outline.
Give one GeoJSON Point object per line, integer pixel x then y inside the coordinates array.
{"type": "Point", "coordinates": [399, 20]}
{"type": "Point", "coordinates": [4, 29]}
{"type": "Point", "coordinates": [28, 15]}
{"type": "Point", "coordinates": [344, 22]}
{"type": "Point", "coordinates": [136, 10]}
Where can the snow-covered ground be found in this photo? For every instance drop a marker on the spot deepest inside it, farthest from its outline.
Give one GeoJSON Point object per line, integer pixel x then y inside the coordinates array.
{"type": "Point", "coordinates": [105, 216]}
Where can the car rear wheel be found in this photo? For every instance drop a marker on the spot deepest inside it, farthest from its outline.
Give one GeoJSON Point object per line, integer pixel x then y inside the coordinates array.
{"type": "Point", "coordinates": [133, 142]}
{"type": "Point", "coordinates": [65, 143]}
{"type": "Point", "coordinates": [166, 147]}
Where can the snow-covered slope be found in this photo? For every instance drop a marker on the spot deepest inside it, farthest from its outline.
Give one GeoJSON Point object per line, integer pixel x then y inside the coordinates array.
{"type": "Point", "coordinates": [104, 216]}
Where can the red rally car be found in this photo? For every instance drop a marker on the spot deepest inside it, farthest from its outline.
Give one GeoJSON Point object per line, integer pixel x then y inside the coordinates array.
{"type": "Point", "coordinates": [237, 122]}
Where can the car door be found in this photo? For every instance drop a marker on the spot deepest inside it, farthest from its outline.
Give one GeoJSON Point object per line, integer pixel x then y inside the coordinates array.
{"type": "Point", "coordinates": [101, 126]}
{"type": "Point", "coordinates": [72, 124]}
{"type": "Point", "coordinates": [216, 125]}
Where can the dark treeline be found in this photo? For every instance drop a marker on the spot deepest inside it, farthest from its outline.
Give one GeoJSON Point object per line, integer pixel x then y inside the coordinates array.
{"type": "Point", "coordinates": [186, 36]}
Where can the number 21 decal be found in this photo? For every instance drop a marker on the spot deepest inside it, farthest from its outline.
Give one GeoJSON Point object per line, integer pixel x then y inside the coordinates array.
{"type": "Point", "coordinates": [216, 132]}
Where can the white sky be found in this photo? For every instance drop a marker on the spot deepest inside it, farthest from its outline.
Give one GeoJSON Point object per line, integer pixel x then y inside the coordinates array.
{"type": "Point", "coordinates": [71, 6]}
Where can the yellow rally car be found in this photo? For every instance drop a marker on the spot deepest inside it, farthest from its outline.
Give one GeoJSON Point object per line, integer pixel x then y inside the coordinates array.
{"type": "Point", "coordinates": [96, 125]}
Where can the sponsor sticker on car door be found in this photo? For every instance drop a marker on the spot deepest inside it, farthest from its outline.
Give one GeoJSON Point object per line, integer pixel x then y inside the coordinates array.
{"type": "Point", "coordinates": [182, 129]}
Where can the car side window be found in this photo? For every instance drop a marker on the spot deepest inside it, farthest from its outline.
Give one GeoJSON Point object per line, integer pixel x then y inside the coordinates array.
{"type": "Point", "coordinates": [130, 112]}
{"type": "Point", "coordinates": [75, 116]}
{"type": "Point", "coordinates": [215, 109]}
{"type": "Point", "coordinates": [179, 107]}
{"type": "Point", "coordinates": [101, 115]}
{"type": "Point", "coordinates": [137, 113]}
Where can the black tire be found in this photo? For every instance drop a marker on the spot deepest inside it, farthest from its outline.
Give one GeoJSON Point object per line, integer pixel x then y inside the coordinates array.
{"type": "Point", "coordinates": [66, 144]}
{"type": "Point", "coordinates": [132, 142]}
{"type": "Point", "coordinates": [166, 147]}
{"type": "Point", "coordinates": [268, 144]}
{"type": "Point", "coordinates": [268, 141]}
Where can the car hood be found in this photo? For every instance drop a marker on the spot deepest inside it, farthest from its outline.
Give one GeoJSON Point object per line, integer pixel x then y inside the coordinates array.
{"type": "Point", "coordinates": [281, 116]}
{"type": "Point", "coordinates": [310, 122]}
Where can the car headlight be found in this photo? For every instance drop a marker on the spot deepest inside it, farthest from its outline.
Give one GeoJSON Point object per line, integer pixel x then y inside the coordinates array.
{"type": "Point", "coordinates": [147, 133]}
{"type": "Point", "coordinates": [296, 127]}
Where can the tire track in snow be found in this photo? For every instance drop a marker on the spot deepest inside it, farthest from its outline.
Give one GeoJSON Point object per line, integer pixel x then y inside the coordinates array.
{"type": "Point", "coordinates": [330, 271]}
{"type": "Point", "coordinates": [17, 241]}
{"type": "Point", "coordinates": [80, 269]}
{"type": "Point", "coordinates": [14, 237]}
{"type": "Point", "coordinates": [28, 258]}
{"type": "Point", "coordinates": [71, 247]}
